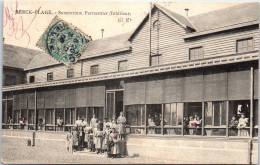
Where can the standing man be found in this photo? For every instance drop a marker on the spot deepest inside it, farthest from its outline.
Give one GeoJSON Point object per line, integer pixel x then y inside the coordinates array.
{"type": "Point", "coordinates": [121, 120]}
{"type": "Point", "coordinates": [93, 121]}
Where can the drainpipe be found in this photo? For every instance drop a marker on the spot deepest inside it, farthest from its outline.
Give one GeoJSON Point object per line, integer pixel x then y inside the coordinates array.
{"type": "Point", "coordinates": [250, 151]}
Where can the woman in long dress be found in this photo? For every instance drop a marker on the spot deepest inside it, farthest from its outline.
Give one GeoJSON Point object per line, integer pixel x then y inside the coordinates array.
{"type": "Point", "coordinates": [121, 120]}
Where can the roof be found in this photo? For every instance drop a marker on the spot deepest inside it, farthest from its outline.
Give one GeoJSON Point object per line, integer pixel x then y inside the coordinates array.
{"type": "Point", "coordinates": [241, 13]}
{"type": "Point", "coordinates": [183, 21]}
{"type": "Point", "coordinates": [179, 18]}
{"type": "Point", "coordinates": [17, 57]}
{"type": "Point", "coordinates": [95, 48]}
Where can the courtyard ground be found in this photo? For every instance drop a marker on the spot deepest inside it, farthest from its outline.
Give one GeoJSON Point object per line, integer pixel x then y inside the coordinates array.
{"type": "Point", "coordinates": [16, 151]}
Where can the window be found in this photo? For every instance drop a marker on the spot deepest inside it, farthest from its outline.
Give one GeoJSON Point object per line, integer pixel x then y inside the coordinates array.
{"type": "Point", "coordinates": [31, 79]}
{"type": "Point", "coordinates": [70, 73]}
{"type": "Point", "coordinates": [245, 45]}
{"type": "Point", "coordinates": [193, 118]}
{"type": "Point", "coordinates": [135, 118]}
{"type": "Point", "coordinates": [156, 60]}
{"type": "Point", "coordinates": [154, 118]}
{"type": "Point", "coordinates": [50, 76]}
{"type": "Point", "coordinates": [156, 25]}
{"type": "Point", "coordinates": [122, 65]}
{"type": "Point", "coordinates": [196, 53]}
{"type": "Point", "coordinates": [173, 114]}
{"type": "Point", "coordinates": [9, 80]}
{"type": "Point", "coordinates": [94, 69]}
{"type": "Point", "coordinates": [239, 114]}
{"type": "Point", "coordinates": [215, 118]}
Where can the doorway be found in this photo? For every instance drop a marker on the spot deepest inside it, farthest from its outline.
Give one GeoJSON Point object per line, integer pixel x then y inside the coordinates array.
{"type": "Point", "coordinates": [114, 103]}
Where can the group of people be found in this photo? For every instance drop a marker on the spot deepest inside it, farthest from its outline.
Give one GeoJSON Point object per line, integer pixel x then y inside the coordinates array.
{"type": "Point", "coordinates": [238, 127]}
{"type": "Point", "coordinates": [193, 124]}
{"type": "Point", "coordinates": [97, 136]}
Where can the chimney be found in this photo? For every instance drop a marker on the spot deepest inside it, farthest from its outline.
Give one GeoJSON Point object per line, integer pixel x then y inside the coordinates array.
{"type": "Point", "coordinates": [102, 31]}
{"type": "Point", "coordinates": [187, 12]}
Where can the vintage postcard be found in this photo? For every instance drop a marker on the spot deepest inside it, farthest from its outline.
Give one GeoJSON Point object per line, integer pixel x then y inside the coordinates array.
{"type": "Point", "coordinates": [114, 82]}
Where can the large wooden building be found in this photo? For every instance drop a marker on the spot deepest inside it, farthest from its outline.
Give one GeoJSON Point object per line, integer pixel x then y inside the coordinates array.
{"type": "Point", "coordinates": [205, 64]}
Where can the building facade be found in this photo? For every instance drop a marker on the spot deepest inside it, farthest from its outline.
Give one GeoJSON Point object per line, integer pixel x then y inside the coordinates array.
{"type": "Point", "coordinates": [171, 67]}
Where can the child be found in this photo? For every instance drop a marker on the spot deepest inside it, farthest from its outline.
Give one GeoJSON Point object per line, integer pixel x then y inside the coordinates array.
{"type": "Point", "coordinates": [75, 139]}
{"type": "Point", "coordinates": [191, 125]}
{"type": "Point", "coordinates": [99, 139]}
{"type": "Point", "coordinates": [113, 147]}
{"type": "Point", "coordinates": [105, 139]}
{"type": "Point", "coordinates": [86, 139]}
{"type": "Point", "coordinates": [242, 124]}
{"type": "Point", "coordinates": [233, 126]}
{"type": "Point", "coordinates": [91, 145]}
{"type": "Point", "coordinates": [69, 142]}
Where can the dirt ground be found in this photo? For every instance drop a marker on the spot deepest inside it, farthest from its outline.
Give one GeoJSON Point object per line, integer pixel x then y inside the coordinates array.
{"type": "Point", "coordinates": [16, 152]}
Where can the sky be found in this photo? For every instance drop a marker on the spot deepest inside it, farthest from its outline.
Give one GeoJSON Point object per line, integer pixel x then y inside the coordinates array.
{"type": "Point", "coordinates": [25, 29]}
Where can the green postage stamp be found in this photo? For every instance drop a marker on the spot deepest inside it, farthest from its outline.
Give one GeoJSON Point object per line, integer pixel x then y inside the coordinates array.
{"type": "Point", "coordinates": [63, 41]}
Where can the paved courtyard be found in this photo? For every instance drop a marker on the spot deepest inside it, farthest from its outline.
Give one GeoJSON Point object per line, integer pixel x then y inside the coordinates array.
{"type": "Point", "coordinates": [16, 151]}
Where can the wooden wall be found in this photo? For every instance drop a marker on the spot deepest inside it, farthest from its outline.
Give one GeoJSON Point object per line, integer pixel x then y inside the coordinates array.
{"type": "Point", "coordinates": [172, 46]}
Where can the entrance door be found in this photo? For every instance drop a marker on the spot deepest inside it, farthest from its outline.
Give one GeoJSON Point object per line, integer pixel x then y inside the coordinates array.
{"type": "Point", "coordinates": [114, 104]}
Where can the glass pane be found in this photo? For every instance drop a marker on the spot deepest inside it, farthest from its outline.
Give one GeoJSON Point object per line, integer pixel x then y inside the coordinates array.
{"type": "Point", "coordinates": [67, 117]}
{"type": "Point", "coordinates": [216, 109]}
{"type": "Point", "coordinates": [73, 116]}
{"type": "Point", "coordinates": [154, 113]}
{"type": "Point", "coordinates": [245, 43]}
{"type": "Point", "coordinates": [250, 42]}
{"type": "Point", "coordinates": [49, 116]}
{"type": "Point", "coordinates": [16, 116]}
{"type": "Point", "coordinates": [3, 110]}
{"type": "Point", "coordinates": [137, 131]}
{"type": "Point", "coordinates": [223, 106]}
{"type": "Point", "coordinates": [31, 115]}
{"type": "Point", "coordinates": [174, 114]}
{"type": "Point", "coordinates": [215, 132]}
{"type": "Point", "coordinates": [180, 112]}
{"type": "Point", "coordinates": [172, 131]}
{"type": "Point", "coordinates": [167, 114]}
{"type": "Point", "coordinates": [208, 113]}
{"type": "Point", "coordinates": [9, 110]}
{"type": "Point", "coordinates": [245, 49]}
{"type": "Point", "coordinates": [143, 114]}
{"type": "Point", "coordinates": [155, 60]}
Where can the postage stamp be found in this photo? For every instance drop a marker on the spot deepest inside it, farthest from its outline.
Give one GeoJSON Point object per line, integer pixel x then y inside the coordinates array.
{"type": "Point", "coordinates": [63, 41]}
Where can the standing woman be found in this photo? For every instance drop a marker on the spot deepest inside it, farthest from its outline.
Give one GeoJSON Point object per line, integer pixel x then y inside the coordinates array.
{"type": "Point", "coordinates": [114, 148]}
{"type": "Point", "coordinates": [121, 120]}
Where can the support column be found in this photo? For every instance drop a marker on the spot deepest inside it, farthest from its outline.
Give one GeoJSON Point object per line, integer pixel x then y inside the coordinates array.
{"type": "Point", "coordinates": [203, 119]}
{"type": "Point", "coordinates": [227, 117]}
{"type": "Point", "coordinates": [35, 109]}
{"type": "Point", "coordinates": [251, 100]}
{"type": "Point", "coordinates": [64, 119]}
{"type": "Point", "coordinates": [145, 118]}
{"type": "Point", "coordinates": [162, 122]}
{"type": "Point", "coordinates": [54, 119]}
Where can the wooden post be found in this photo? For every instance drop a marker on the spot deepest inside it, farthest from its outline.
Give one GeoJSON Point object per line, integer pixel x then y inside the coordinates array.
{"type": "Point", "coordinates": [182, 126]}
{"type": "Point", "coordinates": [64, 119]}
{"type": "Point", "coordinates": [5, 112]}
{"type": "Point", "coordinates": [162, 122]}
{"type": "Point", "coordinates": [13, 114]}
{"type": "Point", "coordinates": [54, 119]}
{"type": "Point", "coordinates": [145, 118]}
{"type": "Point", "coordinates": [251, 100]}
{"type": "Point", "coordinates": [35, 109]}
{"type": "Point", "coordinates": [203, 118]}
{"type": "Point", "coordinates": [227, 118]}
{"type": "Point", "coordinates": [150, 33]}
{"type": "Point", "coordinates": [44, 127]}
